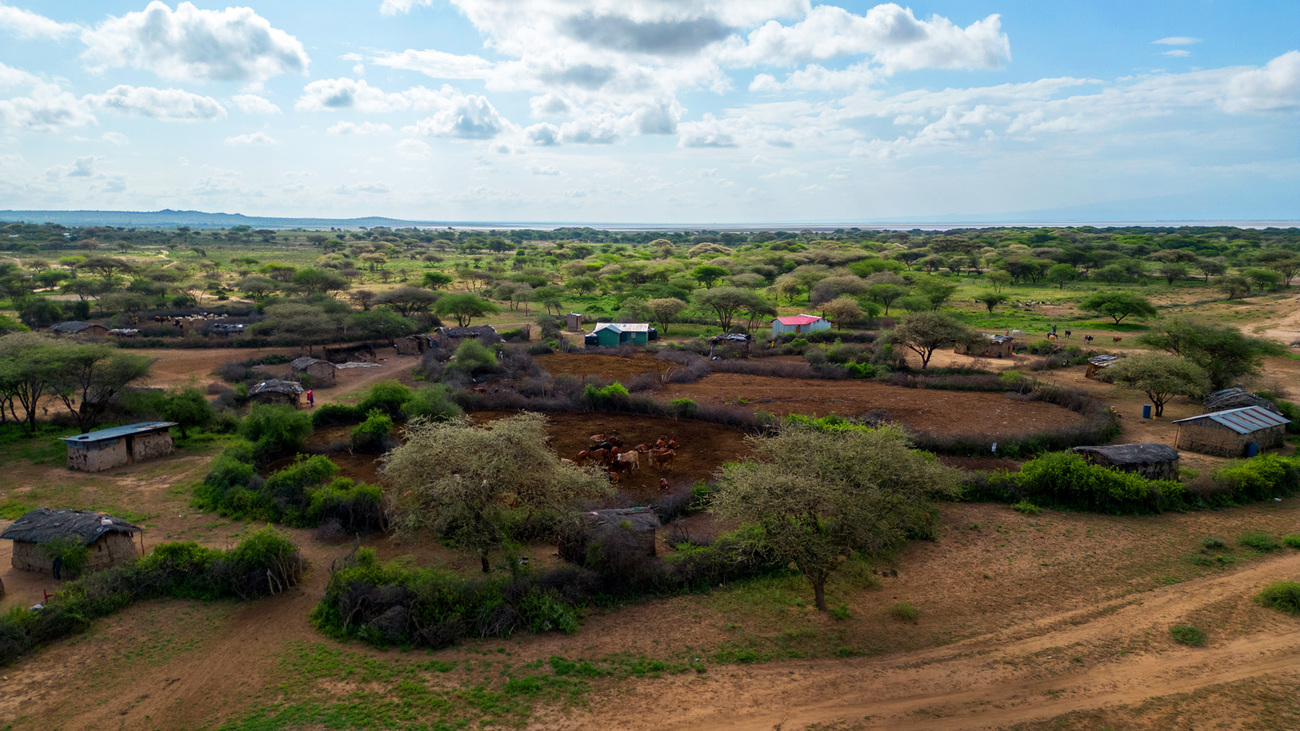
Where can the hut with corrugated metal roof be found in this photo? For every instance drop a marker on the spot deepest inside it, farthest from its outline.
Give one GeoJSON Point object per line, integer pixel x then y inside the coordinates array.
{"type": "Point", "coordinates": [1230, 433]}
{"type": "Point", "coordinates": [1152, 460]}
{"type": "Point", "coordinates": [1099, 363]}
{"type": "Point", "coordinates": [997, 346]}
{"type": "Point", "coordinates": [1235, 398]}
{"type": "Point", "coordinates": [799, 325]}
{"type": "Point", "coordinates": [108, 448]}
{"type": "Point", "coordinates": [110, 540]}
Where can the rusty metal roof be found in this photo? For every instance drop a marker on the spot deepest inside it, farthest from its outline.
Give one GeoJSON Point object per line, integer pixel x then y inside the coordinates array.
{"type": "Point", "coordinates": [1245, 420]}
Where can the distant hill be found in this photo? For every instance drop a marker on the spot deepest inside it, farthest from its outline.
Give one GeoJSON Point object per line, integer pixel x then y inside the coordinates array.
{"type": "Point", "coordinates": [199, 219]}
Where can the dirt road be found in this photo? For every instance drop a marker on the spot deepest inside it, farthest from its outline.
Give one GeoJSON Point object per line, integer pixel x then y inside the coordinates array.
{"type": "Point", "coordinates": [1035, 670]}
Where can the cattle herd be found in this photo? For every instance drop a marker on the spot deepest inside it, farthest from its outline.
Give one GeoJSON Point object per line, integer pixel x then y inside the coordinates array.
{"type": "Point", "coordinates": [607, 451]}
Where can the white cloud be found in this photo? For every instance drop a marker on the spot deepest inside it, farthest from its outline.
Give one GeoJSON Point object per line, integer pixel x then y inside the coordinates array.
{"type": "Point", "coordinates": [171, 105]}
{"type": "Point", "coordinates": [83, 167]}
{"type": "Point", "coordinates": [708, 132]}
{"type": "Point", "coordinates": [417, 149]}
{"type": "Point", "coordinates": [438, 64]}
{"type": "Point", "coordinates": [11, 77]}
{"type": "Point", "coordinates": [235, 44]}
{"type": "Point", "coordinates": [254, 139]}
{"type": "Point", "coordinates": [544, 134]}
{"type": "Point", "coordinates": [26, 24]}
{"type": "Point", "coordinates": [365, 128]}
{"type": "Point", "coordinates": [460, 115]}
{"type": "Point", "coordinates": [395, 7]}
{"type": "Point", "coordinates": [254, 104]}
{"type": "Point", "coordinates": [116, 138]}
{"type": "Point", "coordinates": [1177, 41]}
{"type": "Point", "coordinates": [370, 188]}
{"type": "Point", "coordinates": [596, 129]}
{"type": "Point", "coordinates": [545, 170]}
{"type": "Point", "coordinates": [46, 107]}
{"type": "Point", "coordinates": [357, 94]}
{"type": "Point", "coordinates": [1176, 53]}
{"type": "Point", "coordinates": [1275, 87]}
{"type": "Point", "coordinates": [549, 105]}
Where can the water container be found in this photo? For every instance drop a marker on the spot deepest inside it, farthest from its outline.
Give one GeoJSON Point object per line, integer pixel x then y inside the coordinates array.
{"type": "Point", "coordinates": [1146, 411]}
{"type": "Point", "coordinates": [1252, 449]}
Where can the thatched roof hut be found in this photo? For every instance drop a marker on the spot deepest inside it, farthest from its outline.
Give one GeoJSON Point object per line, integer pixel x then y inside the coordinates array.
{"type": "Point", "coordinates": [110, 540]}
{"type": "Point", "coordinates": [322, 373]}
{"type": "Point", "coordinates": [276, 392]}
{"type": "Point", "coordinates": [1152, 460]}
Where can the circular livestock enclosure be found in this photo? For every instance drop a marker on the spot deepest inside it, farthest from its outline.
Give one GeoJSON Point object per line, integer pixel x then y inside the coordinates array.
{"type": "Point", "coordinates": [702, 446]}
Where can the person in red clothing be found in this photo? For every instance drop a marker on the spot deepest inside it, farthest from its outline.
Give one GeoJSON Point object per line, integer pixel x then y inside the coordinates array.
{"type": "Point", "coordinates": [311, 398]}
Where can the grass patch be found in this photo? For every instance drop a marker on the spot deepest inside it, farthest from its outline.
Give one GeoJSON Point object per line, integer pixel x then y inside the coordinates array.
{"type": "Point", "coordinates": [904, 612]}
{"type": "Point", "coordinates": [1259, 540]}
{"type": "Point", "coordinates": [1186, 634]}
{"type": "Point", "coordinates": [1284, 596]}
{"type": "Point", "coordinates": [1024, 507]}
{"type": "Point", "coordinates": [1291, 541]}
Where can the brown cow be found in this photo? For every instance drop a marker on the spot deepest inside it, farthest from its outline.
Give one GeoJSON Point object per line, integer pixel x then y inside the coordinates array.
{"type": "Point", "coordinates": [633, 458]}
{"type": "Point", "coordinates": [1116, 339]}
{"type": "Point", "coordinates": [662, 458]}
{"type": "Point", "coordinates": [618, 466]}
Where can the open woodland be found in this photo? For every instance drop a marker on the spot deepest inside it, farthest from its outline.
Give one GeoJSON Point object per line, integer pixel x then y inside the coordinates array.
{"type": "Point", "coordinates": [442, 589]}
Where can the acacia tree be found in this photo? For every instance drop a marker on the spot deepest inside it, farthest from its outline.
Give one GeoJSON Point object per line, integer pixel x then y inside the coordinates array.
{"type": "Point", "coordinates": [29, 368]}
{"type": "Point", "coordinates": [464, 307]}
{"type": "Point", "coordinates": [1118, 305]}
{"type": "Point", "coordinates": [925, 332]}
{"type": "Point", "coordinates": [91, 375]}
{"type": "Point", "coordinates": [821, 496]}
{"type": "Point", "coordinates": [990, 299]}
{"type": "Point", "coordinates": [1224, 352]}
{"type": "Point", "coordinates": [464, 483]}
{"type": "Point", "coordinates": [841, 310]}
{"type": "Point", "coordinates": [726, 301]}
{"type": "Point", "coordinates": [664, 310]}
{"type": "Point", "coordinates": [1161, 377]}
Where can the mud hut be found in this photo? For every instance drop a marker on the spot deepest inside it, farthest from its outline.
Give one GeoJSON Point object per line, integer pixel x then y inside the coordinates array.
{"type": "Point", "coordinates": [451, 337]}
{"type": "Point", "coordinates": [1230, 433]}
{"type": "Point", "coordinates": [321, 373]}
{"type": "Point", "coordinates": [998, 346]}
{"type": "Point", "coordinates": [275, 392]}
{"type": "Point", "coordinates": [111, 540]}
{"type": "Point", "coordinates": [415, 344]}
{"type": "Point", "coordinates": [78, 329]}
{"type": "Point", "coordinates": [638, 525]}
{"type": "Point", "coordinates": [108, 448]}
{"type": "Point", "coordinates": [1236, 398]}
{"type": "Point", "coordinates": [1152, 460]}
{"type": "Point", "coordinates": [1099, 363]}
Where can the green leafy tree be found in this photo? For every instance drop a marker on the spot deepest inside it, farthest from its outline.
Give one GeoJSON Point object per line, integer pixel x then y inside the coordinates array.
{"type": "Point", "coordinates": [466, 485]}
{"type": "Point", "coordinates": [1265, 279]}
{"type": "Point", "coordinates": [925, 332]}
{"type": "Point", "coordinates": [990, 299]}
{"type": "Point", "coordinates": [1118, 305]}
{"type": "Point", "coordinates": [275, 430]}
{"type": "Point", "coordinates": [998, 279]}
{"type": "Point", "coordinates": [91, 375]}
{"type": "Point", "coordinates": [1161, 377]}
{"type": "Point", "coordinates": [820, 497]}
{"type": "Point", "coordinates": [1224, 352]}
{"type": "Point", "coordinates": [709, 274]}
{"type": "Point", "coordinates": [319, 281]}
{"type": "Point", "coordinates": [886, 294]}
{"type": "Point", "coordinates": [30, 367]}
{"type": "Point", "coordinates": [1062, 274]}
{"type": "Point", "coordinates": [1285, 263]}
{"type": "Point", "coordinates": [382, 325]}
{"type": "Point", "coordinates": [841, 310]}
{"type": "Point", "coordinates": [437, 280]}
{"type": "Point", "coordinates": [1234, 286]}
{"type": "Point", "coordinates": [725, 302]}
{"type": "Point", "coordinates": [189, 408]}
{"type": "Point", "coordinates": [408, 301]}
{"type": "Point", "coordinates": [464, 307]}
{"type": "Point", "coordinates": [664, 311]}
{"type": "Point", "coordinates": [1172, 271]}
{"type": "Point", "coordinates": [936, 291]}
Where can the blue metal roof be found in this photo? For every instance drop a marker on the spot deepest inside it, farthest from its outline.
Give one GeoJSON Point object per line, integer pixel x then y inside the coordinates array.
{"type": "Point", "coordinates": [1244, 420]}
{"type": "Point", "coordinates": [120, 431]}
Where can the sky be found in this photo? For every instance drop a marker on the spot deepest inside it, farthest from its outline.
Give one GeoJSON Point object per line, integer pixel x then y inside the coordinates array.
{"type": "Point", "coordinates": [656, 111]}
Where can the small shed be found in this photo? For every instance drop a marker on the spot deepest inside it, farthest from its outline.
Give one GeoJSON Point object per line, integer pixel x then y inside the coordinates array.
{"type": "Point", "coordinates": [614, 334]}
{"type": "Point", "coordinates": [1235, 398]}
{"type": "Point", "coordinates": [111, 540]}
{"type": "Point", "coordinates": [799, 325]}
{"type": "Point", "coordinates": [226, 329]}
{"type": "Point", "coordinates": [636, 525]}
{"type": "Point", "coordinates": [77, 328]}
{"type": "Point", "coordinates": [275, 392]}
{"type": "Point", "coordinates": [415, 344]}
{"type": "Point", "coordinates": [999, 346]}
{"type": "Point", "coordinates": [322, 373]}
{"type": "Point", "coordinates": [1152, 460]}
{"type": "Point", "coordinates": [1227, 433]}
{"type": "Point", "coordinates": [108, 448]}
{"type": "Point", "coordinates": [451, 337]}
{"type": "Point", "coordinates": [1099, 363]}
{"type": "Point", "coordinates": [573, 322]}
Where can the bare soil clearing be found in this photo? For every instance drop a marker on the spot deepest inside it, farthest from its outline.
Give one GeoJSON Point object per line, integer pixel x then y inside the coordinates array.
{"type": "Point", "coordinates": [604, 366]}
{"type": "Point", "coordinates": [925, 410]}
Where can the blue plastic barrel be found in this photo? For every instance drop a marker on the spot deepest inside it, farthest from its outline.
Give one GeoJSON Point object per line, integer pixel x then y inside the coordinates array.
{"type": "Point", "coordinates": [1146, 411]}
{"type": "Point", "coordinates": [1252, 449]}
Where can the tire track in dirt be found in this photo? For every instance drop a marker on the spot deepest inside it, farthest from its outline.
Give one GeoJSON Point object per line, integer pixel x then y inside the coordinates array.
{"type": "Point", "coordinates": [991, 681]}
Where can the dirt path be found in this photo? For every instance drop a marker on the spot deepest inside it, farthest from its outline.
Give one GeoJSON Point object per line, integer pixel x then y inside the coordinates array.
{"type": "Point", "coordinates": [1019, 674]}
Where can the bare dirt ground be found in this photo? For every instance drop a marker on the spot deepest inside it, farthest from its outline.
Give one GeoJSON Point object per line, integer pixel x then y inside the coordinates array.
{"type": "Point", "coordinates": [604, 366]}
{"type": "Point", "coordinates": [939, 412]}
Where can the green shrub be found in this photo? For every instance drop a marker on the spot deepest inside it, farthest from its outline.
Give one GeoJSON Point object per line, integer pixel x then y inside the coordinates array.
{"type": "Point", "coordinates": [841, 612]}
{"type": "Point", "coordinates": [1283, 596]}
{"type": "Point", "coordinates": [1292, 412]}
{"type": "Point", "coordinates": [1259, 540]}
{"type": "Point", "coordinates": [73, 555]}
{"type": "Point", "coordinates": [356, 507]}
{"type": "Point", "coordinates": [1026, 508]}
{"type": "Point", "coordinates": [373, 434]}
{"type": "Point", "coordinates": [275, 430]}
{"type": "Point", "coordinates": [1067, 480]}
{"type": "Point", "coordinates": [1292, 541]}
{"type": "Point", "coordinates": [336, 415]}
{"type": "Point", "coordinates": [1186, 634]}
{"type": "Point", "coordinates": [683, 408]}
{"type": "Point", "coordinates": [904, 612]}
{"type": "Point", "coordinates": [1250, 480]}
{"type": "Point", "coordinates": [1214, 543]}
{"type": "Point", "coordinates": [610, 395]}
{"type": "Point", "coordinates": [388, 397]}
{"type": "Point", "coordinates": [431, 402]}
{"type": "Point", "coordinates": [473, 357]}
